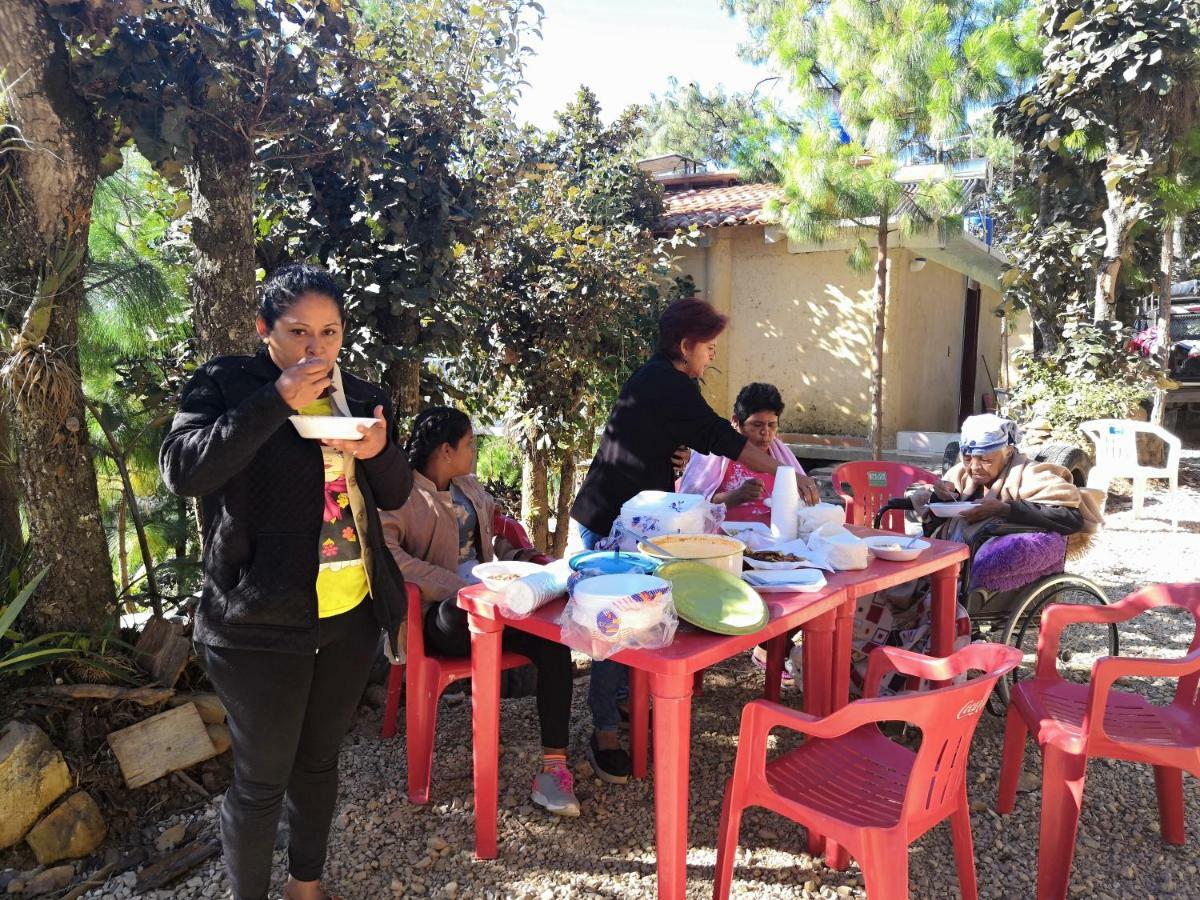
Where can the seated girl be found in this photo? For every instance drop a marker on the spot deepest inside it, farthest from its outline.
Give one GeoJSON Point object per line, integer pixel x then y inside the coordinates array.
{"type": "Point", "coordinates": [437, 538]}
{"type": "Point", "coordinates": [756, 415]}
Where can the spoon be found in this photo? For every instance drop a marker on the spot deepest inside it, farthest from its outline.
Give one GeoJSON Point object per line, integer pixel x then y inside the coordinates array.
{"type": "Point", "coordinates": [661, 551]}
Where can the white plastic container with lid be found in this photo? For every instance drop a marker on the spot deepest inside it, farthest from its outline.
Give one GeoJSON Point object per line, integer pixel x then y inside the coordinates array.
{"type": "Point", "coordinates": [608, 613]}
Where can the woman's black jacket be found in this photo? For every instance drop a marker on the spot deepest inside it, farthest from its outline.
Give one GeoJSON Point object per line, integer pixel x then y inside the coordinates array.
{"type": "Point", "coordinates": [261, 489]}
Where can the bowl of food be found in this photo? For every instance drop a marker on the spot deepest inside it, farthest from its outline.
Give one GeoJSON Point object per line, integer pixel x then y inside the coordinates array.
{"type": "Point", "coordinates": [330, 428]}
{"type": "Point", "coordinates": [496, 576]}
{"type": "Point", "coordinates": [774, 559]}
{"type": "Point", "coordinates": [950, 510]}
{"type": "Point", "coordinates": [716, 550]}
{"type": "Point", "coordinates": [897, 548]}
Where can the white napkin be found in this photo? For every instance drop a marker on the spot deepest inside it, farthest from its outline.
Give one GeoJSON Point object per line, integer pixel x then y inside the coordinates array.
{"type": "Point", "coordinates": [779, 581]}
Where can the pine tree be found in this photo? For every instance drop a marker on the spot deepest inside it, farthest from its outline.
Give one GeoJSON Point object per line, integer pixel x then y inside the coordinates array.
{"type": "Point", "coordinates": [898, 76]}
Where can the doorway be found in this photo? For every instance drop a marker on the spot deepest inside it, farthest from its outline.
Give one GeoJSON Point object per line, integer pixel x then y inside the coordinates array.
{"type": "Point", "coordinates": [967, 400]}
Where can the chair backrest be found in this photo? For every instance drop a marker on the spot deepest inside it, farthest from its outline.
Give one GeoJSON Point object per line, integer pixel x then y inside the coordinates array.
{"type": "Point", "coordinates": [867, 487]}
{"type": "Point", "coordinates": [1116, 442]}
{"type": "Point", "coordinates": [511, 530]}
{"type": "Point", "coordinates": [414, 642]}
{"type": "Point", "coordinates": [947, 718]}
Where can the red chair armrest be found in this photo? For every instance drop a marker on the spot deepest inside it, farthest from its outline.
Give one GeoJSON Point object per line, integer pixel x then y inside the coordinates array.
{"type": "Point", "coordinates": [1110, 668]}
{"type": "Point", "coordinates": [1058, 616]}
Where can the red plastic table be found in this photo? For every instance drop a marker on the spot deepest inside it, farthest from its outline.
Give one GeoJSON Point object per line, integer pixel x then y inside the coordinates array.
{"type": "Point", "coordinates": [670, 672]}
{"type": "Point", "coordinates": [827, 617]}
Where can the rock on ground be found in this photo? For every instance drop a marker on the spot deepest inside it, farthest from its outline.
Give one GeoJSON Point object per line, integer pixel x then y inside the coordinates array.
{"type": "Point", "coordinates": [33, 774]}
{"type": "Point", "coordinates": [73, 829]}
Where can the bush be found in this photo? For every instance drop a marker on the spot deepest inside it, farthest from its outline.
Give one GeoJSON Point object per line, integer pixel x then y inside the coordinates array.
{"type": "Point", "coordinates": [498, 461]}
{"type": "Point", "coordinates": [1092, 375]}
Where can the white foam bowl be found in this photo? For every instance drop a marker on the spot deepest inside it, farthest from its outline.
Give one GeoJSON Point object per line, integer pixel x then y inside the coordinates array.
{"type": "Point", "coordinates": [330, 428]}
{"type": "Point", "coordinates": [496, 576]}
{"type": "Point", "coordinates": [950, 510]}
{"type": "Point", "coordinates": [895, 549]}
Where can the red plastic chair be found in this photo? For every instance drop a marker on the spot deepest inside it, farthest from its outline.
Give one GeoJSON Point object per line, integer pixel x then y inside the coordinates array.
{"type": "Point", "coordinates": [424, 677]}
{"type": "Point", "coordinates": [848, 782]}
{"type": "Point", "coordinates": [872, 484]}
{"type": "Point", "coordinates": [1072, 722]}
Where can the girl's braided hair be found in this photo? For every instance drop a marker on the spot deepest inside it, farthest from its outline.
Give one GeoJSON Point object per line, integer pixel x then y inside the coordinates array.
{"type": "Point", "coordinates": [433, 427]}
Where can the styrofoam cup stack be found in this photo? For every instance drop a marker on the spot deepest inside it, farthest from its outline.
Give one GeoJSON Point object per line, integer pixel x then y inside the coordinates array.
{"type": "Point", "coordinates": [785, 504]}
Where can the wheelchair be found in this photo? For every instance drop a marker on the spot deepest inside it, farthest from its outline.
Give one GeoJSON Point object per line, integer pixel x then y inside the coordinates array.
{"type": "Point", "coordinates": [1004, 599]}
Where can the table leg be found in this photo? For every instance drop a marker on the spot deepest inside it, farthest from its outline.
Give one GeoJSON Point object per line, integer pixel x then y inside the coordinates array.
{"type": "Point", "coordinates": [672, 758]}
{"type": "Point", "coordinates": [943, 602]}
{"type": "Point", "coordinates": [843, 643]}
{"type": "Point", "coordinates": [486, 637]}
{"type": "Point", "coordinates": [777, 651]}
{"type": "Point", "coordinates": [817, 674]}
{"type": "Point", "coordinates": [639, 721]}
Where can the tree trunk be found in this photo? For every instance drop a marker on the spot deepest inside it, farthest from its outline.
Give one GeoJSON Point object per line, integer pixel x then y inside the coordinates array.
{"type": "Point", "coordinates": [535, 502]}
{"type": "Point", "coordinates": [1166, 259]}
{"type": "Point", "coordinates": [46, 208]}
{"type": "Point", "coordinates": [12, 540]}
{"type": "Point", "coordinates": [880, 315]}
{"type": "Point", "coordinates": [566, 494]}
{"type": "Point", "coordinates": [223, 281]}
{"type": "Point", "coordinates": [122, 550]}
{"type": "Point", "coordinates": [403, 382]}
{"type": "Point", "coordinates": [1119, 216]}
{"type": "Point", "coordinates": [181, 539]}
{"type": "Point", "coordinates": [1047, 333]}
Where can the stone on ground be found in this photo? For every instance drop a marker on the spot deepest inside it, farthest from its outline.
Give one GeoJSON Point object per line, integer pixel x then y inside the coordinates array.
{"type": "Point", "coordinates": [33, 774]}
{"type": "Point", "coordinates": [74, 829]}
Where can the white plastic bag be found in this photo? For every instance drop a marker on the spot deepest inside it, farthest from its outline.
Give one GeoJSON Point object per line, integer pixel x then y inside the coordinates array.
{"type": "Point", "coordinates": [608, 613]}
{"type": "Point", "coordinates": [834, 545]}
{"type": "Point", "coordinates": [652, 513]}
{"type": "Point", "coordinates": [811, 518]}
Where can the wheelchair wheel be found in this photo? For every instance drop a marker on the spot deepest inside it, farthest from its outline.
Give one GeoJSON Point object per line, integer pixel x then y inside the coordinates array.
{"type": "Point", "coordinates": [1081, 644]}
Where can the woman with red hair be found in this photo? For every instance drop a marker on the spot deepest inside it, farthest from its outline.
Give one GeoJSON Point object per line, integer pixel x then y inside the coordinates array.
{"type": "Point", "coordinates": [659, 411]}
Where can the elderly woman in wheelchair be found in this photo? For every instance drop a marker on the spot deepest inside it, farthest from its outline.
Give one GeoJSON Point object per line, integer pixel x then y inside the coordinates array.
{"type": "Point", "coordinates": [1025, 519]}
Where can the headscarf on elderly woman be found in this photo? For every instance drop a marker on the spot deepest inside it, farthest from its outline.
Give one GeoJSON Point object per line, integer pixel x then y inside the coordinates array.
{"type": "Point", "coordinates": [1007, 485]}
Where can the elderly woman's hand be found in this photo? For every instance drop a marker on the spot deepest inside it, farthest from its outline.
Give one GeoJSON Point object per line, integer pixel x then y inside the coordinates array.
{"type": "Point", "coordinates": [374, 439]}
{"type": "Point", "coordinates": [990, 508]}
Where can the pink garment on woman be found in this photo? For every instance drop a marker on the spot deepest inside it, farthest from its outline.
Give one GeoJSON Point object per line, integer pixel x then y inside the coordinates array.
{"type": "Point", "coordinates": [706, 475]}
{"type": "Point", "coordinates": [755, 510]}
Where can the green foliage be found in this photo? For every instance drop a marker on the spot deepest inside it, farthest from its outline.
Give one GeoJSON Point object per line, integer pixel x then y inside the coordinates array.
{"type": "Point", "coordinates": [719, 127]}
{"type": "Point", "coordinates": [563, 288]}
{"type": "Point", "coordinates": [1091, 375]}
{"type": "Point", "coordinates": [1050, 273]}
{"type": "Point", "coordinates": [498, 461]}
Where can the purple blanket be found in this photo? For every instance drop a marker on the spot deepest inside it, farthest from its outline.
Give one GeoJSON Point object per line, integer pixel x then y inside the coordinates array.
{"type": "Point", "coordinates": [1014, 560]}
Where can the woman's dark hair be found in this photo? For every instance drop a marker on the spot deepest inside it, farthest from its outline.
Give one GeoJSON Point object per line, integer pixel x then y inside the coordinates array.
{"type": "Point", "coordinates": [286, 284]}
{"type": "Point", "coordinates": [755, 398]}
{"type": "Point", "coordinates": [433, 427]}
{"type": "Point", "coordinates": [688, 319]}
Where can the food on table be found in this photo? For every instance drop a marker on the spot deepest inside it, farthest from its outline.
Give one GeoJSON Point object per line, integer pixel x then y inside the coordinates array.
{"type": "Point", "coordinates": [774, 556]}
{"type": "Point", "coordinates": [505, 576]}
{"type": "Point", "coordinates": [887, 546]}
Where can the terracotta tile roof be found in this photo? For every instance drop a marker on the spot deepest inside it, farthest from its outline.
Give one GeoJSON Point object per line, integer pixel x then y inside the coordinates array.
{"type": "Point", "coordinates": [713, 207]}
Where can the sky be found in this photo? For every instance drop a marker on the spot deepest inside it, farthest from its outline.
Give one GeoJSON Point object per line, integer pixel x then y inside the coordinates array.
{"type": "Point", "coordinates": [625, 50]}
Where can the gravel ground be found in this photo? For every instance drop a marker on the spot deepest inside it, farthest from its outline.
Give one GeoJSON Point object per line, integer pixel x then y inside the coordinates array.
{"type": "Point", "coordinates": [384, 847]}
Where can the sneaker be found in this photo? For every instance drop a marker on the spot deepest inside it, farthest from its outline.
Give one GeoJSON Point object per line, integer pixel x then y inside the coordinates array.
{"type": "Point", "coordinates": [758, 656]}
{"type": "Point", "coordinates": [555, 790]}
{"type": "Point", "coordinates": [612, 766]}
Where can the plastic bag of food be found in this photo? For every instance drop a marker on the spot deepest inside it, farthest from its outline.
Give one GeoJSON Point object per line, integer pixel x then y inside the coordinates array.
{"type": "Point", "coordinates": [608, 613]}
{"type": "Point", "coordinates": [843, 551]}
{"type": "Point", "coordinates": [652, 513]}
{"type": "Point", "coordinates": [812, 518]}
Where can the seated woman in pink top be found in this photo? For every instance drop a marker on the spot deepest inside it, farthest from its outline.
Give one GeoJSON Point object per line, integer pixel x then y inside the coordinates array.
{"type": "Point", "coordinates": [756, 414]}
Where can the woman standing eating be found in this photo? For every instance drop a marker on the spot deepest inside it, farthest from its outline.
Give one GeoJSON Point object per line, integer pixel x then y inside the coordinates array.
{"type": "Point", "coordinates": [660, 409]}
{"type": "Point", "coordinates": [297, 581]}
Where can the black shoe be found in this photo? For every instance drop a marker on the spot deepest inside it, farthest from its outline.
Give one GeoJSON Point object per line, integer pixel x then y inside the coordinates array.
{"type": "Point", "coordinates": [612, 766]}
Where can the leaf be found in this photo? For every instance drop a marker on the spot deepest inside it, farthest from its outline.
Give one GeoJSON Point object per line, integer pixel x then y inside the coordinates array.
{"type": "Point", "coordinates": [10, 613]}
{"type": "Point", "coordinates": [1071, 21]}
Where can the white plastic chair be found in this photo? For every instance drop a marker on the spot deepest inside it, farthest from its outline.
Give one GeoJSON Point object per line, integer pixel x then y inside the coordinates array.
{"type": "Point", "coordinates": [1117, 457]}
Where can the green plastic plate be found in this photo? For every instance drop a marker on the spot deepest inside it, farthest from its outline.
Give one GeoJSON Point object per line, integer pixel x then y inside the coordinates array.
{"type": "Point", "coordinates": [714, 600]}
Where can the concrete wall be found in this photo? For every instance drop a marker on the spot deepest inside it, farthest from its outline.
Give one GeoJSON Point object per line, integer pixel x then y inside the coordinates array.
{"type": "Point", "coordinates": [802, 321]}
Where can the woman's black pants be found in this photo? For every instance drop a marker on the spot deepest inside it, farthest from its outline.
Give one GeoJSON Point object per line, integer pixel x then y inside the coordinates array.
{"type": "Point", "coordinates": [287, 714]}
{"type": "Point", "coordinates": [447, 634]}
